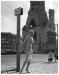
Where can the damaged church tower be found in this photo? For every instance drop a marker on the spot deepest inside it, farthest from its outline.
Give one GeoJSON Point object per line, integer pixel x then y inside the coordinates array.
{"type": "Point", "coordinates": [51, 18]}
{"type": "Point", "coordinates": [37, 19]}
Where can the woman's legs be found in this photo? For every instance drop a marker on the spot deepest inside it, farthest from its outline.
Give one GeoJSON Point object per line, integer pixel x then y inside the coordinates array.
{"type": "Point", "coordinates": [27, 60]}
{"type": "Point", "coordinates": [28, 63]}
{"type": "Point", "coordinates": [27, 67]}
{"type": "Point", "coordinates": [23, 66]}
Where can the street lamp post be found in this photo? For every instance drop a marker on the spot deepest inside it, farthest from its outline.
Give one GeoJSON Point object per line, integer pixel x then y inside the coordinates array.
{"type": "Point", "coordinates": [18, 12]}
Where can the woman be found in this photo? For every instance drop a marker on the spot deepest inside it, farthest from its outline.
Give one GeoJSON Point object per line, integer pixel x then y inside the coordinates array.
{"type": "Point", "coordinates": [29, 51]}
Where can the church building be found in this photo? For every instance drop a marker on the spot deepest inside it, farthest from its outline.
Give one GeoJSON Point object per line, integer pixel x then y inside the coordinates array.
{"type": "Point", "coordinates": [44, 28]}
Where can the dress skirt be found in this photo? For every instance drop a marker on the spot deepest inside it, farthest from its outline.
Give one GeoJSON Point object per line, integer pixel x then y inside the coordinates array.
{"type": "Point", "coordinates": [29, 52]}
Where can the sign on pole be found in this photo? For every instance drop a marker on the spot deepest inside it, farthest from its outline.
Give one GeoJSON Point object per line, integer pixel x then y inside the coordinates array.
{"type": "Point", "coordinates": [18, 12]}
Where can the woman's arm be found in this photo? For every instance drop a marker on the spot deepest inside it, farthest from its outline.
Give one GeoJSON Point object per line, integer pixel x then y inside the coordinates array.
{"type": "Point", "coordinates": [22, 44]}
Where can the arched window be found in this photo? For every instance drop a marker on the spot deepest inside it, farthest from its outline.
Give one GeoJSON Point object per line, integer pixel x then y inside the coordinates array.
{"type": "Point", "coordinates": [51, 37]}
{"type": "Point", "coordinates": [32, 22]}
{"type": "Point", "coordinates": [35, 36]}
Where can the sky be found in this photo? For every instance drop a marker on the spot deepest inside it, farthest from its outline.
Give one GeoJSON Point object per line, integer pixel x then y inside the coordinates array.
{"type": "Point", "coordinates": [9, 20]}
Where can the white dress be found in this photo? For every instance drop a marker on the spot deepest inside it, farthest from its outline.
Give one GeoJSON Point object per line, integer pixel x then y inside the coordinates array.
{"type": "Point", "coordinates": [29, 50]}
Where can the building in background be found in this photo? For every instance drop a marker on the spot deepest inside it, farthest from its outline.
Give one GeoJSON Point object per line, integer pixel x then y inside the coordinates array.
{"type": "Point", "coordinates": [44, 28]}
{"type": "Point", "coordinates": [8, 43]}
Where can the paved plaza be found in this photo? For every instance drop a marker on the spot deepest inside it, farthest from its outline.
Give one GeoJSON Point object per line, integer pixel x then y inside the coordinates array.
{"type": "Point", "coordinates": [39, 64]}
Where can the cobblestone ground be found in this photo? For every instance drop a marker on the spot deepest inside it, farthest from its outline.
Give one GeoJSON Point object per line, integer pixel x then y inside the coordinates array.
{"type": "Point", "coordinates": [39, 64]}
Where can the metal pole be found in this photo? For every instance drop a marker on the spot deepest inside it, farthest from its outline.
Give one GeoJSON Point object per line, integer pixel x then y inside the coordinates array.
{"type": "Point", "coordinates": [18, 12]}
{"type": "Point", "coordinates": [18, 44]}
{"type": "Point", "coordinates": [57, 30]}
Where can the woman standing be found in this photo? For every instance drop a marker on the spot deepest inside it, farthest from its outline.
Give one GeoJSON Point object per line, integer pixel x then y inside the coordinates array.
{"type": "Point", "coordinates": [29, 51]}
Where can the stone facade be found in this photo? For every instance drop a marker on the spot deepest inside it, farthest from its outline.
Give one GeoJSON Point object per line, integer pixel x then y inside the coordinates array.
{"type": "Point", "coordinates": [37, 19]}
{"type": "Point", "coordinates": [8, 43]}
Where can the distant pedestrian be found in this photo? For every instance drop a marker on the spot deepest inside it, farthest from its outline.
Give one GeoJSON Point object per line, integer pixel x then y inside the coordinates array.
{"type": "Point", "coordinates": [29, 51]}
{"type": "Point", "coordinates": [50, 57]}
{"type": "Point", "coordinates": [55, 54]}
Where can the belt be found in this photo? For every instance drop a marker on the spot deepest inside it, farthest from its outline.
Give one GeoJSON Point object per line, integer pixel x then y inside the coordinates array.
{"type": "Point", "coordinates": [29, 45]}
